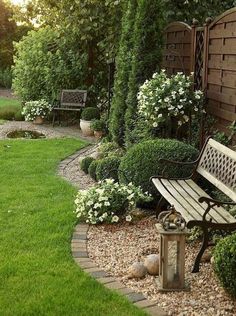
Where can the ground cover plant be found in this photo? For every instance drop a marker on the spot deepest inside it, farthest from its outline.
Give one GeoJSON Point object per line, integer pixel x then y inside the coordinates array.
{"type": "Point", "coordinates": [37, 273]}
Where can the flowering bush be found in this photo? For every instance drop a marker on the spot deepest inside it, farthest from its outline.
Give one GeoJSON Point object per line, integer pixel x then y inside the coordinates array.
{"type": "Point", "coordinates": [161, 98]}
{"type": "Point", "coordinates": [108, 202]}
{"type": "Point", "coordinates": [32, 109]}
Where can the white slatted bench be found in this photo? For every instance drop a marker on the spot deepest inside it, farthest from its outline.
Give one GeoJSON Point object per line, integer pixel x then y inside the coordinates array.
{"type": "Point", "coordinates": [70, 100]}
{"type": "Point", "coordinates": [216, 163]}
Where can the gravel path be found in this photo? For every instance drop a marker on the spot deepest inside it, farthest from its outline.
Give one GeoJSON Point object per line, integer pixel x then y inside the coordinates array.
{"type": "Point", "coordinates": [115, 247]}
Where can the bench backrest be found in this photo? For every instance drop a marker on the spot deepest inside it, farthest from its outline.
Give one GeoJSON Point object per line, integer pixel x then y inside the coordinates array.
{"type": "Point", "coordinates": [73, 98]}
{"type": "Point", "coordinates": [218, 165]}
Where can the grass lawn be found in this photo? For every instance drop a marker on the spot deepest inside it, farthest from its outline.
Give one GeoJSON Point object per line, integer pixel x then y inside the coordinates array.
{"type": "Point", "coordinates": [6, 102]}
{"type": "Point", "coordinates": [37, 273]}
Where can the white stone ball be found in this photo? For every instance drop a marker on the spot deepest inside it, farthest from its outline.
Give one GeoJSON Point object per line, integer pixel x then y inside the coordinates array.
{"type": "Point", "coordinates": [152, 264]}
{"type": "Point", "coordinates": [137, 270]}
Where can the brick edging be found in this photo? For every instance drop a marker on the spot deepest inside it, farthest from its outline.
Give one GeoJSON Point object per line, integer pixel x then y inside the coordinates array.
{"type": "Point", "coordinates": [81, 257]}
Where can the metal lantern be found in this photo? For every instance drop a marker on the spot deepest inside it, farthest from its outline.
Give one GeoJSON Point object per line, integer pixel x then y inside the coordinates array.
{"type": "Point", "coordinates": [172, 254]}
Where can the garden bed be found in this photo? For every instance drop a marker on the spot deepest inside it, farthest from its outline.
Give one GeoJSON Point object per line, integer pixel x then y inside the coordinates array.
{"type": "Point", "coordinates": [115, 247]}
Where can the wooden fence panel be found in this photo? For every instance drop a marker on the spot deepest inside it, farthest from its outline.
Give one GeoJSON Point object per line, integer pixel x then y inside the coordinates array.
{"type": "Point", "coordinates": [220, 72]}
{"type": "Point", "coordinates": [177, 54]}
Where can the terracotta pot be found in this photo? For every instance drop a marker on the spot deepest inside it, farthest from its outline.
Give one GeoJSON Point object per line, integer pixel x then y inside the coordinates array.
{"type": "Point", "coordinates": [38, 120]}
{"type": "Point", "coordinates": [98, 134]}
{"type": "Point", "coordinates": [85, 127]}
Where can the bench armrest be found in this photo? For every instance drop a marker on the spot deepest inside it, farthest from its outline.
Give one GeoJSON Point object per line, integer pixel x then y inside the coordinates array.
{"type": "Point", "coordinates": [211, 203]}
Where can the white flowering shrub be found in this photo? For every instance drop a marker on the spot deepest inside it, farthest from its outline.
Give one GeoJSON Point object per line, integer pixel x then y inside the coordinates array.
{"type": "Point", "coordinates": [161, 99]}
{"type": "Point", "coordinates": [108, 202]}
{"type": "Point", "coordinates": [32, 109]}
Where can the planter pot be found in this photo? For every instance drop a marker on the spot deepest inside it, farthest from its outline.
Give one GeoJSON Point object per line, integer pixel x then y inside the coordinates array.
{"type": "Point", "coordinates": [38, 120]}
{"type": "Point", "coordinates": [99, 134]}
{"type": "Point", "coordinates": [85, 127]}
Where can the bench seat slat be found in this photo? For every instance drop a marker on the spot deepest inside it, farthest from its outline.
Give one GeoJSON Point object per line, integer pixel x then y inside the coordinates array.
{"type": "Point", "coordinates": [171, 199]}
{"type": "Point", "coordinates": [171, 187]}
{"type": "Point", "coordinates": [67, 109]}
{"type": "Point", "coordinates": [216, 213]}
{"type": "Point", "coordinates": [194, 204]}
{"type": "Point", "coordinates": [220, 210]}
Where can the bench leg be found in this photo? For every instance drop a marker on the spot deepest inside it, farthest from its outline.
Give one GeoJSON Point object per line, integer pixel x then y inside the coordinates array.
{"type": "Point", "coordinates": [201, 252]}
{"type": "Point", "coordinates": [160, 205]}
{"type": "Point", "coordinates": [53, 118]}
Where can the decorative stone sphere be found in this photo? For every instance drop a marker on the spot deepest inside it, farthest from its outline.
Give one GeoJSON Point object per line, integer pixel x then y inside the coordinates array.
{"type": "Point", "coordinates": [137, 270]}
{"type": "Point", "coordinates": [152, 264]}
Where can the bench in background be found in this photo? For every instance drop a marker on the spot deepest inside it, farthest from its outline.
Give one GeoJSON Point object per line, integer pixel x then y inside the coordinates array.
{"type": "Point", "coordinates": [216, 163]}
{"type": "Point", "coordinates": [70, 101]}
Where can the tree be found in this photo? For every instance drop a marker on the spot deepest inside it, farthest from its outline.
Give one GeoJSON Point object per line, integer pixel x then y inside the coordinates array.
{"type": "Point", "coordinates": [123, 67]}
{"type": "Point", "coordinates": [45, 63]}
{"type": "Point", "coordinates": [146, 57]}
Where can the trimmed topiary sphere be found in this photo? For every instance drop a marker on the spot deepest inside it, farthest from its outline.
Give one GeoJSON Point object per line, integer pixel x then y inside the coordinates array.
{"type": "Point", "coordinates": [142, 161]}
{"type": "Point", "coordinates": [90, 113]}
{"type": "Point", "coordinates": [108, 168]}
{"type": "Point", "coordinates": [85, 163]}
{"type": "Point", "coordinates": [225, 263]}
{"type": "Point", "coordinates": [92, 169]}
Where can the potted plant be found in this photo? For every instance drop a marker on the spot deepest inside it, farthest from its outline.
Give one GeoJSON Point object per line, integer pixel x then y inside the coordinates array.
{"type": "Point", "coordinates": [99, 128]}
{"type": "Point", "coordinates": [36, 111]}
{"type": "Point", "coordinates": [88, 114]}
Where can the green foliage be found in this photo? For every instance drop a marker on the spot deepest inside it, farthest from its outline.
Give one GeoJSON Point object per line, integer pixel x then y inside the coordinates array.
{"type": "Point", "coordinates": [123, 67]}
{"type": "Point", "coordinates": [108, 202]}
{"type": "Point", "coordinates": [85, 163]}
{"type": "Point", "coordinates": [225, 263]}
{"type": "Point", "coordinates": [44, 64]}
{"type": "Point", "coordinates": [90, 113]}
{"type": "Point", "coordinates": [8, 112]}
{"type": "Point", "coordinates": [92, 169]}
{"type": "Point", "coordinates": [5, 78]}
{"type": "Point", "coordinates": [19, 116]}
{"type": "Point", "coordinates": [109, 149]}
{"type": "Point", "coordinates": [98, 125]}
{"type": "Point", "coordinates": [108, 168]}
{"type": "Point", "coordinates": [185, 11]}
{"type": "Point", "coordinates": [146, 57]}
{"type": "Point", "coordinates": [142, 161]}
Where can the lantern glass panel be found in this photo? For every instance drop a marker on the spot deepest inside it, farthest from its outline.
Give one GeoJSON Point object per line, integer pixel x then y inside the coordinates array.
{"type": "Point", "coordinates": [172, 261]}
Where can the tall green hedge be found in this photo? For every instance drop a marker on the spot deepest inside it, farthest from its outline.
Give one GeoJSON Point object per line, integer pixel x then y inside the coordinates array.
{"type": "Point", "coordinates": [123, 66]}
{"type": "Point", "coordinates": [146, 58]}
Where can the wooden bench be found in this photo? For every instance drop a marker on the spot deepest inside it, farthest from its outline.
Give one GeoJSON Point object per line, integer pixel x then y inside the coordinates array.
{"type": "Point", "coordinates": [70, 100]}
{"type": "Point", "coordinates": [216, 163]}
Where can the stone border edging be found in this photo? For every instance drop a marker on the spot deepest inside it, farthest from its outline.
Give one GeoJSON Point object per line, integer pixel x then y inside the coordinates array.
{"type": "Point", "coordinates": [81, 257]}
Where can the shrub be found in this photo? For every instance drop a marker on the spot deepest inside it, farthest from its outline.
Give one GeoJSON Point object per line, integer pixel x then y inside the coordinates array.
{"type": "Point", "coordinates": [8, 112]}
{"type": "Point", "coordinates": [90, 113]}
{"type": "Point", "coordinates": [98, 125]}
{"type": "Point", "coordinates": [225, 263]}
{"type": "Point", "coordinates": [108, 168]}
{"type": "Point", "coordinates": [32, 109]}
{"type": "Point", "coordinates": [142, 161]}
{"type": "Point", "coordinates": [5, 78]}
{"type": "Point", "coordinates": [108, 202]}
{"type": "Point", "coordinates": [85, 163]}
{"type": "Point", "coordinates": [146, 55]}
{"type": "Point", "coordinates": [110, 149]}
{"type": "Point", "coordinates": [19, 116]}
{"type": "Point", "coordinates": [92, 169]}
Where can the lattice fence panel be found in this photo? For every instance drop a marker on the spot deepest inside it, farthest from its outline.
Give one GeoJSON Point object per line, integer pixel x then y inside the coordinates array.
{"type": "Point", "coordinates": [199, 58]}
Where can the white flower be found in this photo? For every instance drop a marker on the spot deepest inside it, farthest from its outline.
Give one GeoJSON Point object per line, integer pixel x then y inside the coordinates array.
{"type": "Point", "coordinates": [104, 215]}
{"type": "Point", "coordinates": [155, 124]}
{"type": "Point", "coordinates": [160, 115]}
{"type": "Point", "coordinates": [115, 219]}
{"type": "Point", "coordinates": [128, 218]}
{"type": "Point", "coordinates": [107, 203]}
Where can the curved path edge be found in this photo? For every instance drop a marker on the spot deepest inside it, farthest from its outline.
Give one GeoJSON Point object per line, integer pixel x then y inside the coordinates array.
{"type": "Point", "coordinates": [81, 256]}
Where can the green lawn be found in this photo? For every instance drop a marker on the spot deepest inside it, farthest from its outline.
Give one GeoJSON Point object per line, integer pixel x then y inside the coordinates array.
{"type": "Point", "coordinates": [6, 102]}
{"type": "Point", "coordinates": [37, 273]}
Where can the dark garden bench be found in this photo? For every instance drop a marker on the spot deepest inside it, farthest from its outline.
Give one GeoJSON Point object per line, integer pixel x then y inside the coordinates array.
{"type": "Point", "coordinates": [216, 163]}
{"type": "Point", "coordinates": [70, 101]}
